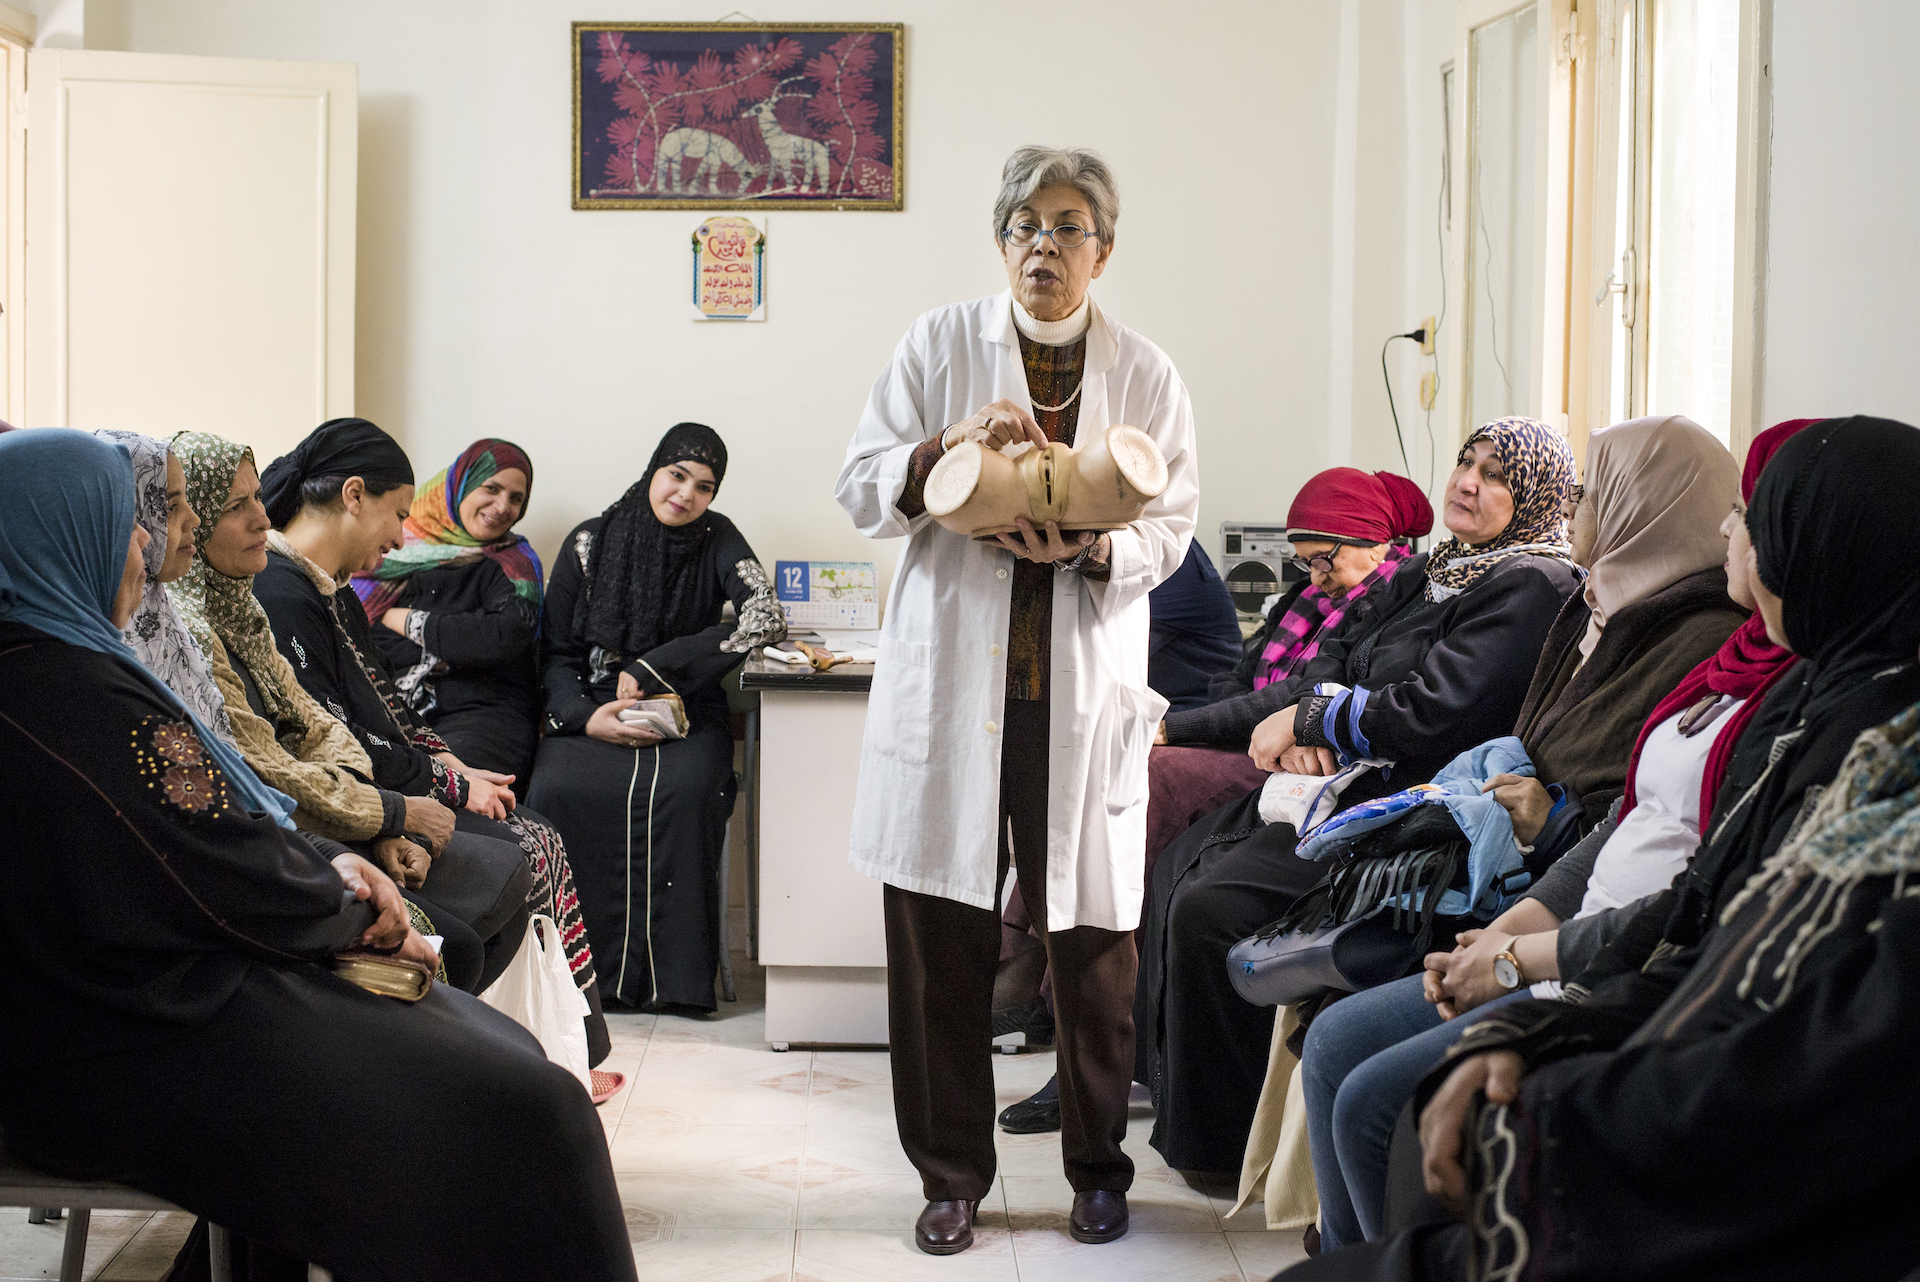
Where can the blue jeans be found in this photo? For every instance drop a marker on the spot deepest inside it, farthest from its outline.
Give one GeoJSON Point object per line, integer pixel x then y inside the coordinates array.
{"type": "Point", "coordinates": [1364, 1057]}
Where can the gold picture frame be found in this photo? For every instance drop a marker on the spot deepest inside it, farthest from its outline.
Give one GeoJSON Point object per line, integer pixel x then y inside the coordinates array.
{"type": "Point", "coordinates": [738, 116]}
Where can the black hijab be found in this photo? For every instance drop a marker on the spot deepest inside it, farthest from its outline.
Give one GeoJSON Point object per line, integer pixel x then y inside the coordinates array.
{"type": "Point", "coordinates": [1832, 522]}
{"type": "Point", "coordinates": [648, 583]}
{"type": "Point", "coordinates": [340, 447]}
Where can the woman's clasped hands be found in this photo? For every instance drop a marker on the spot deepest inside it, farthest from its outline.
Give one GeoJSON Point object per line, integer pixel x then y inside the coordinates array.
{"type": "Point", "coordinates": [1274, 748]}
{"type": "Point", "coordinates": [392, 930]}
{"type": "Point", "coordinates": [1458, 981]}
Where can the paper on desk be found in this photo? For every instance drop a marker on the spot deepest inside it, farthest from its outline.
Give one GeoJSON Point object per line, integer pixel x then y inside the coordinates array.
{"type": "Point", "coordinates": [845, 641]}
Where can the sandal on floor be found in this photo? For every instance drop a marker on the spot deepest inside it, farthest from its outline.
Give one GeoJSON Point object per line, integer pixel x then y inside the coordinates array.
{"type": "Point", "coordinates": [607, 1085]}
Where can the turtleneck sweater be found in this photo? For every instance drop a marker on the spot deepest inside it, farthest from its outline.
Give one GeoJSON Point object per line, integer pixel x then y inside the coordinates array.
{"type": "Point", "coordinates": [1054, 333]}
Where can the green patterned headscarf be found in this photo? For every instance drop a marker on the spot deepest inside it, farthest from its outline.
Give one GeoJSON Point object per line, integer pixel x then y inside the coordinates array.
{"type": "Point", "coordinates": [213, 605]}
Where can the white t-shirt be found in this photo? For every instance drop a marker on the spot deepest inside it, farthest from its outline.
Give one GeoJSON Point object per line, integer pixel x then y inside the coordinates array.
{"type": "Point", "coordinates": [1661, 832]}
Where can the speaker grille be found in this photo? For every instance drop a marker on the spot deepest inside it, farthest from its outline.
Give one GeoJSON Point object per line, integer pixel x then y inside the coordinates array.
{"type": "Point", "coordinates": [1250, 583]}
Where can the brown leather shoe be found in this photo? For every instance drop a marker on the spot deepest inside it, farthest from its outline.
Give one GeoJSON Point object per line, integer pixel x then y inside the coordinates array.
{"type": "Point", "coordinates": [1099, 1215]}
{"type": "Point", "coordinates": [945, 1228]}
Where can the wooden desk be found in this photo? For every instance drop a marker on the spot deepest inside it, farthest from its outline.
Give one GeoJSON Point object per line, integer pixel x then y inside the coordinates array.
{"type": "Point", "coordinates": [821, 935]}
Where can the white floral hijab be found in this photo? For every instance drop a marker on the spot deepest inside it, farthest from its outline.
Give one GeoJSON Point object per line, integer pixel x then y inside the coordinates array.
{"type": "Point", "coordinates": [156, 632]}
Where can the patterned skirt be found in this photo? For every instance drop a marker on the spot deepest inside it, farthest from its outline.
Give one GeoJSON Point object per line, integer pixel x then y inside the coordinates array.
{"type": "Point", "coordinates": [553, 892]}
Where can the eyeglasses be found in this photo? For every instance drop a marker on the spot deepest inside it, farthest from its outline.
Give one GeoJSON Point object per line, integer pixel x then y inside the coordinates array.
{"type": "Point", "coordinates": [1576, 495]}
{"type": "Point", "coordinates": [1318, 564]}
{"type": "Point", "coordinates": [1026, 235]}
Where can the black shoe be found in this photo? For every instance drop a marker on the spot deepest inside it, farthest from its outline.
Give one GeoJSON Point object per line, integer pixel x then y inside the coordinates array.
{"type": "Point", "coordinates": [945, 1228]}
{"type": "Point", "coordinates": [1031, 1018]}
{"type": "Point", "coordinates": [1037, 1113]}
{"type": "Point", "coordinates": [1099, 1215]}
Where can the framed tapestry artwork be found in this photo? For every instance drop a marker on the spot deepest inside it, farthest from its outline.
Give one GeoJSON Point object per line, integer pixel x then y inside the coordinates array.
{"type": "Point", "coordinates": [711, 116]}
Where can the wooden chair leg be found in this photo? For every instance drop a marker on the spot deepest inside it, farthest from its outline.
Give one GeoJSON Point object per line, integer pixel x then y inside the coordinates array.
{"type": "Point", "coordinates": [73, 1256]}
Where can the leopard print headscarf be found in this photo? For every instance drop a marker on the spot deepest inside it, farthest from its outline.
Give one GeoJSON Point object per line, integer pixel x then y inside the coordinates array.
{"type": "Point", "coordinates": [1538, 464]}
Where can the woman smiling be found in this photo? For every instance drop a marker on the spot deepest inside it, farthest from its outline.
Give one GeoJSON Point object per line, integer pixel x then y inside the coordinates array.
{"type": "Point", "coordinates": [635, 612]}
{"type": "Point", "coordinates": [459, 607]}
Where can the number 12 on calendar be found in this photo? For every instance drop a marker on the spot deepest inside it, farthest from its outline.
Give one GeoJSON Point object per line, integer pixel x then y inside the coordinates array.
{"type": "Point", "coordinates": [828, 594]}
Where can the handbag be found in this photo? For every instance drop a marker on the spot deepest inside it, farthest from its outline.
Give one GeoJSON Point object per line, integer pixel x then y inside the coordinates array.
{"type": "Point", "coordinates": [1282, 969]}
{"type": "Point", "coordinates": [1369, 922]}
{"type": "Point", "coordinates": [537, 991]}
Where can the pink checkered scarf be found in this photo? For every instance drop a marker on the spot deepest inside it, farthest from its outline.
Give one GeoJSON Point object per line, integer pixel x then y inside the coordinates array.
{"type": "Point", "coordinates": [1314, 615]}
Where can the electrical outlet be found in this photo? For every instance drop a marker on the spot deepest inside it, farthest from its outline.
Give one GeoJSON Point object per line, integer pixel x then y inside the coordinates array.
{"type": "Point", "coordinates": [1426, 344]}
{"type": "Point", "coordinates": [1429, 389]}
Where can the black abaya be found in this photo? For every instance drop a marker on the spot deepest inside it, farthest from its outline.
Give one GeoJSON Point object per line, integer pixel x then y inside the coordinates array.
{"type": "Point", "coordinates": [646, 827]}
{"type": "Point", "coordinates": [167, 1025]}
{"type": "Point", "coordinates": [467, 666]}
{"type": "Point", "coordinates": [1220, 874]}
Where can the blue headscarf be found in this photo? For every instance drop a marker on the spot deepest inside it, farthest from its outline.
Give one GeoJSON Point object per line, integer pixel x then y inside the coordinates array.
{"type": "Point", "coordinates": [63, 548]}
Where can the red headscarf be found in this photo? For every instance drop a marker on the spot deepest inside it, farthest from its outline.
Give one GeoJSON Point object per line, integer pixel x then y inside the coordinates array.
{"type": "Point", "coordinates": [1744, 667]}
{"type": "Point", "coordinates": [1346, 503]}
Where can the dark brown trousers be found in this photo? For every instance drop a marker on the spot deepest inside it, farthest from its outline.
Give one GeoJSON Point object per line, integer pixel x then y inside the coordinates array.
{"type": "Point", "coordinates": [941, 956]}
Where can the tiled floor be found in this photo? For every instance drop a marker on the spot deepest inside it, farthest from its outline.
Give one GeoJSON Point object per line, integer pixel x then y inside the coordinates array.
{"type": "Point", "coordinates": [737, 1164]}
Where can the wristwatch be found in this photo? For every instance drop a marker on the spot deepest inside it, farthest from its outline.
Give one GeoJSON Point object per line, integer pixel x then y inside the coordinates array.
{"type": "Point", "coordinates": [1506, 969]}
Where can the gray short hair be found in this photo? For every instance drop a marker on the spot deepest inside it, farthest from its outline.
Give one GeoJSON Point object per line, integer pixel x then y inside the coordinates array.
{"type": "Point", "coordinates": [1031, 168]}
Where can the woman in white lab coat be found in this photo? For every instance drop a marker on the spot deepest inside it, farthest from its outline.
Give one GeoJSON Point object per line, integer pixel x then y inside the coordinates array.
{"type": "Point", "coordinates": [1010, 714]}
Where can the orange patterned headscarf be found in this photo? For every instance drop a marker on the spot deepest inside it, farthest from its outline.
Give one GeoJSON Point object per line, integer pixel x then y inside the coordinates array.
{"type": "Point", "coordinates": [435, 536]}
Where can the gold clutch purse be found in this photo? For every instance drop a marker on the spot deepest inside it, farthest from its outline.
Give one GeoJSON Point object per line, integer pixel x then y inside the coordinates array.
{"type": "Point", "coordinates": [384, 976]}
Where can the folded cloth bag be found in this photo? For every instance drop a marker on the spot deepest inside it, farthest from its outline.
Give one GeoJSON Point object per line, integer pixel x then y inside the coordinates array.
{"type": "Point", "coordinates": [1307, 800]}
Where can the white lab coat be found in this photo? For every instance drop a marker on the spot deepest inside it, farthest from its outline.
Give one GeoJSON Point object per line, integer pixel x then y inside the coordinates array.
{"type": "Point", "coordinates": [928, 800]}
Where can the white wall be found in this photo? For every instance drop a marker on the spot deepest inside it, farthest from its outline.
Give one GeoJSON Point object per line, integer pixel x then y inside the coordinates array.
{"type": "Point", "coordinates": [1844, 243]}
{"type": "Point", "coordinates": [1278, 162]}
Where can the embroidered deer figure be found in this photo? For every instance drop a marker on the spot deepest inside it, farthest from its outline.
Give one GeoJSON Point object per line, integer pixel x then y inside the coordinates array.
{"type": "Point", "coordinates": [787, 152]}
{"type": "Point", "coordinates": [710, 149]}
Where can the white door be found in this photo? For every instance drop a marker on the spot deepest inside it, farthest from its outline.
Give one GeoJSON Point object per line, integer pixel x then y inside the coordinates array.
{"type": "Point", "coordinates": [190, 244]}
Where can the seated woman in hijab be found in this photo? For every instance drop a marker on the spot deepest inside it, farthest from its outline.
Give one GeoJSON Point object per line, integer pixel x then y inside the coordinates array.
{"type": "Point", "coordinates": [172, 1019]}
{"type": "Point", "coordinates": [1726, 1091]}
{"type": "Point", "coordinates": [458, 610]}
{"type": "Point", "coordinates": [337, 500]}
{"type": "Point", "coordinates": [161, 640]}
{"type": "Point", "coordinates": [634, 613]}
{"type": "Point", "coordinates": [1428, 674]}
{"type": "Point", "coordinates": [1666, 592]}
{"type": "Point", "coordinates": [1350, 533]}
{"type": "Point", "coordinates": [292, 741]}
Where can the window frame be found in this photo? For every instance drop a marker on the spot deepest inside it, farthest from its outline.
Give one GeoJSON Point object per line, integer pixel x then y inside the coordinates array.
{"type": "Point", "coordinates": [1584, 68]}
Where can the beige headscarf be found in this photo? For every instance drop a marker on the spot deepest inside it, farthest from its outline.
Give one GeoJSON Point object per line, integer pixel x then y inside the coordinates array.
{"type": "Point", "coordinates": [1660, 487]}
